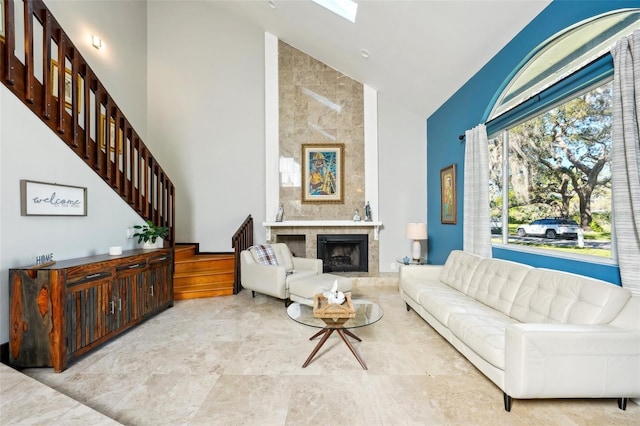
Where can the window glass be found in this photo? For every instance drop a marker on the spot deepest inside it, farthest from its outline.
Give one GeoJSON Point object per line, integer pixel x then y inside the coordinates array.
{"type": "Point", "coordinates": [559, 178]}
{"type": "Point", "coordinates": [564, 54]}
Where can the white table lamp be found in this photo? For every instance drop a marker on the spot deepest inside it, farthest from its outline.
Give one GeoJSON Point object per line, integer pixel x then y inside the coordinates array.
{"type": "Point", "coordinates": [416, 232]}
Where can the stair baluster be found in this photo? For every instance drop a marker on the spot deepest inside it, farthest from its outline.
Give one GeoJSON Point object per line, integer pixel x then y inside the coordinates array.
{"type": "Point", "coordinates": [132, 172]}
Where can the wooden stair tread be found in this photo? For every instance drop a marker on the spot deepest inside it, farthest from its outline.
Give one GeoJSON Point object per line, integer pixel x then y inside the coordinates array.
{"type": "Point", "coordinates": [202, 275]}
{"type": "Point", "coordinates": [183, 252]}
{"type": "Point", "coordinates": [203, 293]}
{"type": "Point", "coordinates": [212, 279]}
{"type": "Point", "coordinates": [206, 258]}
{"type": "Point", "coordinates": [194, 286]}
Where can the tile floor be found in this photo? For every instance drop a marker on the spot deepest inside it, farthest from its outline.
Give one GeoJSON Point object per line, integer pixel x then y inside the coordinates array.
{"type": "Point", "coordinates": [237, 361]}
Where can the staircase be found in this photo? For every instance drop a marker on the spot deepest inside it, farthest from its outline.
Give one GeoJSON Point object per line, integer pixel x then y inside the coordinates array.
{"type": "Point", "coordinates": [115, 152]}
{"type": "Point", "coordinates": [201, 275]}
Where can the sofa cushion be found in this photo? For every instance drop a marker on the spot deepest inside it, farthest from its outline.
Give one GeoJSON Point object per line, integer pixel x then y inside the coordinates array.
{"type": "Point", "coordinates": [442, 301]}
{"type": "Point", "coordinates": [415, 286]}
{"type": "Point", "coordinates": [284, 256]}
{"type": "Point", "coordinates": [307, 287]}
{"type": "Point", "coordinates": [299, 276]}
{"type": "Point", "coordinates": [458, 269]}
{"type": "Point", "coordinates": [484, 334]}
{"type": "Point", "coordinates": [496, 282]}
{"type": "Point", "coordinates": [548, 296]}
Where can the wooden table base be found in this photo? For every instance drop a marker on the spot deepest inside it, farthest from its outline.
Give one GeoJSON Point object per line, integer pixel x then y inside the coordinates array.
{"type": "Point", "coordinates": [325, 333]}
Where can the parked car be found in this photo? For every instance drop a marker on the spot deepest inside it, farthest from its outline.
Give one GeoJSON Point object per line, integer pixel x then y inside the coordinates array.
{"type": "Point", "coordinates": [550, 228]}
{"type": "Point", "coordinates": [496, 225]}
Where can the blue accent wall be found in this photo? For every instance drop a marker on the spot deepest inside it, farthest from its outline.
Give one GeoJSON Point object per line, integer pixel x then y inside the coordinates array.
{"type": "Point", "coordinates": [601, 271]}
{"type": "Point", "coordinates": [469, 106]}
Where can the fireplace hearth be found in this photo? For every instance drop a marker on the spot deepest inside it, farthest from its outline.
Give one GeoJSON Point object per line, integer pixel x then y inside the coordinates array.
{"type": "Point", "coordinates": [343, 252]}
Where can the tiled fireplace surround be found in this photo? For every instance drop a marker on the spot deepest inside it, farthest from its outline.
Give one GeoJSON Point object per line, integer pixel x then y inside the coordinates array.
{"type": "Point", "coordinates": [302, 237]}
{"type": "Point", "coordinates": [317, 104]}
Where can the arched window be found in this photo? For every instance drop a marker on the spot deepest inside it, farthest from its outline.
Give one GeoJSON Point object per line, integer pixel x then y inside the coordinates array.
{"type": "Point", "coordinates": [550, 142]}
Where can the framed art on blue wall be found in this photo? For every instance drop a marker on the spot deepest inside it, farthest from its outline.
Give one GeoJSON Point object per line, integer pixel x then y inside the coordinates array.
{"type": "Point", "coordinates": [323, 173]}
{"type": "Point", "coordinates": [448, 200]}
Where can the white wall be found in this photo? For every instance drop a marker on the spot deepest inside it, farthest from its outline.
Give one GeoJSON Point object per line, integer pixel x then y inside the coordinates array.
{"type": "Point", "coordinates": [403, 178]}
{"type": "Point", "coordinates": [205, 125]}
{"type": "Point", "coordinates": [207, 130]}
{"type": "Point", "coordinates": [206, 117]}
{"type": "Point", "coordinates": [121, 65]}
{"type": "Point", "coordinates": [30, 150]}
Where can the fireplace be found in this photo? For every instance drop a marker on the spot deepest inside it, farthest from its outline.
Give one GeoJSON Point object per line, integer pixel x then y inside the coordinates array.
{"type": "Point", "coordinates": [344, 252]}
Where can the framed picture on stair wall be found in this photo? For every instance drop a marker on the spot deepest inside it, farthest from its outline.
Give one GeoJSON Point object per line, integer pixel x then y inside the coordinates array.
{"type": "Point", "coordinates": [67, 83]}
{"type": "Point", "coordinates": [52, 199]}
{"type": "Point", "coordinates": [1, 20]}
{"type": "Point", "coordinates": [323, 173]}
{"type": "Point", "coordinates": [102, 135]}
{"type": "Point", "coordinates": [68, 87]}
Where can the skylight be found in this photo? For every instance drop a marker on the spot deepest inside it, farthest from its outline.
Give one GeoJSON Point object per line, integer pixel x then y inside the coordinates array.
{"type": "Point", "coordinates": [345, 8]}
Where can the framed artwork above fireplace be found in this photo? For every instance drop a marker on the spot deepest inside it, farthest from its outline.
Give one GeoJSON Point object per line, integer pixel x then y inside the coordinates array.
{"type": "Point", "coordinates": [323, 173]}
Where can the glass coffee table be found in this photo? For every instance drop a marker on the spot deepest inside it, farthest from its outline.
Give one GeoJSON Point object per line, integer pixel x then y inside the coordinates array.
{"type": "Point", "coordinates": [367, 313]}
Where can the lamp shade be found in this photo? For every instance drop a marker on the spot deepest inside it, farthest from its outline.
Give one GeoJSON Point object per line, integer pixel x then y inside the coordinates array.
{"type": "Point", "coordinates": [417, 231]}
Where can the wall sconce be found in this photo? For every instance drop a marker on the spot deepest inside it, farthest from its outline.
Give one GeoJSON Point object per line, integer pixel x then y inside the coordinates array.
{"type": "Point", "coordinates": [96, 42]}
{"type": "Point", "coordinates": [416, 232]}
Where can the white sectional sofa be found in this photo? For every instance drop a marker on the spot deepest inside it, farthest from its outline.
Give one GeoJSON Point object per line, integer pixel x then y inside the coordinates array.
{"type": "Point", "coordinates": [536, 333]}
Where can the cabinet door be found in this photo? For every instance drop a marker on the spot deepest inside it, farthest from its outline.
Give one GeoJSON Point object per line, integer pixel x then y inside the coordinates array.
{"type": "Point", "coordinates": [34, 312]}
{"type": "Point", "coordinates": [89, 313]}
{"type": "Point", "coordinates": [129, 285]}
{"type": "Point", "coordinates": [159, 283]}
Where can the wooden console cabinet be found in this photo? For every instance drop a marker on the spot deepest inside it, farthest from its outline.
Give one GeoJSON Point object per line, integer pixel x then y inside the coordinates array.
{"type": "Point", "coordinates": [62, 311]}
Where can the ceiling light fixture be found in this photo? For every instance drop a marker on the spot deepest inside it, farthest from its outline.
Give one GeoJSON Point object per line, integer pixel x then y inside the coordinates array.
{"type": "Point", "coordinates": [96, 42]}
{"type": "Point", "coordinates": [364, 53]}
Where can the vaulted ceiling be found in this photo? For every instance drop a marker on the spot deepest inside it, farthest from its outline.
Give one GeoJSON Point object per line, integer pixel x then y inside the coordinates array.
{"type": "Point", "coordinates": [420, 51]}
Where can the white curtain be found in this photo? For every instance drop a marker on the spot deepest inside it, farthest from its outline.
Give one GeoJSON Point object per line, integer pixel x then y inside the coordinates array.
{"type": "Point", "coordinates": [476, 225]}
{"type": "Point", "coordinates": [625, 158]}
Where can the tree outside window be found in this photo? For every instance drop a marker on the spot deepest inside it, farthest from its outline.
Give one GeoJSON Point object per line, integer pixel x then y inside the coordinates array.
{"type": "Point", "coordinates": [559, 169]}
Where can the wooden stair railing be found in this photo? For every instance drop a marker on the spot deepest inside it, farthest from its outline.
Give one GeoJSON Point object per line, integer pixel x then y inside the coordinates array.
{"type": "Point", "coordinates": [114, 151]}
{"type": "Point", "coordinates": [241, 240]}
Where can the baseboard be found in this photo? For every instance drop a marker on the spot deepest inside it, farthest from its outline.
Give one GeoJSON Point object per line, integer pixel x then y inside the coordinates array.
{"type": "Point", "coordinates": [4, 353]}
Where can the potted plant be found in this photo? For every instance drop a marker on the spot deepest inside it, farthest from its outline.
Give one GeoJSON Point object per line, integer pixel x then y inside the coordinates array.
{"type": "Point", "coordinates": [150, 234]}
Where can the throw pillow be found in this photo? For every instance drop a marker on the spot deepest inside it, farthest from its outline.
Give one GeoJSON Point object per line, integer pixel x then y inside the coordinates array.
{"type": "Point", "coordinates": [264, 254]}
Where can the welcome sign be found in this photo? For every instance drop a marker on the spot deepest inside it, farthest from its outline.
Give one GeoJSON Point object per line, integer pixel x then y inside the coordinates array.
{"type": "Point", "coordinates": [50, 199]}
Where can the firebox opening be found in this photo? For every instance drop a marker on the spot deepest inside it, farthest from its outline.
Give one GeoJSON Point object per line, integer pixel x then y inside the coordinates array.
{"type": "Point", "coordinates": [344, 252]}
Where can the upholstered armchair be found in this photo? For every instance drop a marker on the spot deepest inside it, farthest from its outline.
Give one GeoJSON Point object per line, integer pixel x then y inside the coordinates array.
{"type": "Point", "coordinates": [270, 268]}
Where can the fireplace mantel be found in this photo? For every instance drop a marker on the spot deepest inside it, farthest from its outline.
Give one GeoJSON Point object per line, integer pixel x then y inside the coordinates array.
{"type": "Point", "coordinates": [321, 223]}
